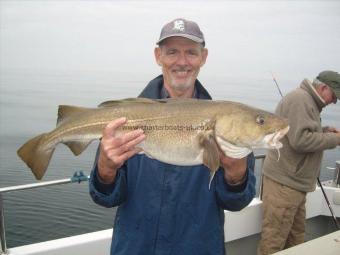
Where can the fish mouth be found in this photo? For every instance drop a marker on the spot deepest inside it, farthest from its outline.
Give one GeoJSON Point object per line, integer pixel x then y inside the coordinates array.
{"type": "Point", "coordinates": [273, 140]}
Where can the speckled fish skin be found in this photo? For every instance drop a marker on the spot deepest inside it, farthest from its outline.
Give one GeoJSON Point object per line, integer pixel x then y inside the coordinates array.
{"type": "Point", "coordinates": [178, 131]}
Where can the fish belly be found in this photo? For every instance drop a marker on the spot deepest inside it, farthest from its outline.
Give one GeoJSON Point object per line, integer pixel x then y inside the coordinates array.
{"type": "Point", "coordinates": [173, 140]}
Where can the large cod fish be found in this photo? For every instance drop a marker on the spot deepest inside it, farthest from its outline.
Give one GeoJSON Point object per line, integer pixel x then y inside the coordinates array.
{"type": "Point", "coordinates": [178, 131]}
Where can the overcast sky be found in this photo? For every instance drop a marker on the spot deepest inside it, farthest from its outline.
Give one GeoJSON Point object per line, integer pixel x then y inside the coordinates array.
{"type": "Point", "coordinates": [292, 37]}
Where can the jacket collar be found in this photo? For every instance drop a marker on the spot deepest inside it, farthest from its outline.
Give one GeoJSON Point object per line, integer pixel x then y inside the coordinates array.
{"type": "Point", "coordinates": [307, 86]}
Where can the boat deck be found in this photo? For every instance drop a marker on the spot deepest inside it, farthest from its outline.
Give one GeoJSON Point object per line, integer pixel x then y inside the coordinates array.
{"type": "Point", "coordinates": [325, 245]}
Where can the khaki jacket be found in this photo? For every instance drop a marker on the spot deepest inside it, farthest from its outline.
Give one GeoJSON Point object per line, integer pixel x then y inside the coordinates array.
{"type": "Point", "coordinates": [303, 146]}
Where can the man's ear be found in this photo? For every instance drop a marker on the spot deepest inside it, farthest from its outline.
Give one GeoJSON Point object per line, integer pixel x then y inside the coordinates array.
{"type": "Point", "coordinates": [157, 53]}
{"type": "Point", "coordinates": [204, 56]}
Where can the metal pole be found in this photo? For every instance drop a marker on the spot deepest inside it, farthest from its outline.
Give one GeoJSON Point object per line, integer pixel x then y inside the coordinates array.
{"type": "Point", "coordinates": [34, 185]}
{"type": "Point", "coordinates": [336, 178]}
{"type": "Point", "coordinates": [43, 184]}
{"type": "Point", "coordinates": [2, 228]}
{"type": "Point", "coordinates": [329, 205]}
{"type": "Point", "coordinates": [262, 157]}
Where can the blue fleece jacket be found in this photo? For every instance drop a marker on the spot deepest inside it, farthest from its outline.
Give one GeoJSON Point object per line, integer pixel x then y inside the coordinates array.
{"type": "Point", "coordinates": [166, 209]}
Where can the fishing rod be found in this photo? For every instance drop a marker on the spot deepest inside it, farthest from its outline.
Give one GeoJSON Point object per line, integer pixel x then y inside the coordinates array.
{"type": "Point", "coordinates": [277, 85]}
{"type": "Point", "coordinates": [318, 179]}
{"type": "Point", "coordinates": [329, 205]}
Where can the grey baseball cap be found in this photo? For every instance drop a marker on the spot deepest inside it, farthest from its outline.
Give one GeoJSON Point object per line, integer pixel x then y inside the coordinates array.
{"type": "Point", "coordinates": [332, 79]}
{"type": "Point", "coordinates": [183, 28]}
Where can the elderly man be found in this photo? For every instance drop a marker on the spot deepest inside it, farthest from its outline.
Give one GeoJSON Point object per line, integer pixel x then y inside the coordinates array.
{"type": "Point", "coordinates": [287, 180]}
{"type": "Point", "coordinates": [163, 208]}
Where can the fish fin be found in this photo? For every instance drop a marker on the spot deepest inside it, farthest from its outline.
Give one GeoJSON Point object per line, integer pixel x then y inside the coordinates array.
{"type": "Point", "coordinates": [113, 103]}
{"type": "Point", "coordinates": [278, 154]}
{"type": "Point", "coordinates": [139, 100]}
{"type": "Point", "coordinates": [77, 147]}
{"type": "Point", "coordinates": [212, 174]}
{"type": "Point", "coordinates": [65, 111]}
{"type": "Point", "coordinates": [211, 153]}
{"type": "Point", "coordinates": [147, 154]}
{"type": "Point", "coordinates": [36, 157]}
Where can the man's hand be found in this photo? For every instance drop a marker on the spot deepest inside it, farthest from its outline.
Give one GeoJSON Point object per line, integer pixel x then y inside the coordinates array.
{"type": "Point", "coordinates": [330, 129]}
{"type": "Point", "coordinates": [338, 135]}
{"type": "Point", "coordinates": [234, 169]}
{"type": "Point", "coordinates": [116, 148]}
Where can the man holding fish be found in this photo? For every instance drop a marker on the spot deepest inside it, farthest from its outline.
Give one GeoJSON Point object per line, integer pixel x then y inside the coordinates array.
{"type": "Point", "coordinates": [165, 208]}
{"type": "Point", "coordinates": [154, 159]}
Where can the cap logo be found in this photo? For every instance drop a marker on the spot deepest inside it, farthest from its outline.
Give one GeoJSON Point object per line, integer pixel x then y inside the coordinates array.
{"type": "Point", "coordinates": [178, 25]}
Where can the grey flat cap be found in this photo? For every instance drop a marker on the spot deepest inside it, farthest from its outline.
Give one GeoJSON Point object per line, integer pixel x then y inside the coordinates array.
{"type": "Point", "coordinates": [332, 79]}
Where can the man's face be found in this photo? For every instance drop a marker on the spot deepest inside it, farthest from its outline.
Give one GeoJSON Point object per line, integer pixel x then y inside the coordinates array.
{"type": "Point", "coordinates": [181, 60]}
{"type": "Point", "coordinates": [328, 95]}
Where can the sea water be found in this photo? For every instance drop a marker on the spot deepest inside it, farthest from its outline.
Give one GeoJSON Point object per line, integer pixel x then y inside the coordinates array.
{"type": "Point", "coordinates": [85, 52]}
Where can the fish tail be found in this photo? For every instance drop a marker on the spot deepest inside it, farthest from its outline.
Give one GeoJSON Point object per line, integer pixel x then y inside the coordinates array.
{"type": "Point", "coordinates": [36, 156]}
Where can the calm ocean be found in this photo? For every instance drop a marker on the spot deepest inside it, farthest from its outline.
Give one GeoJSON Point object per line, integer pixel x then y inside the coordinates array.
{"type": "Point", "coordinates": [85, 52]}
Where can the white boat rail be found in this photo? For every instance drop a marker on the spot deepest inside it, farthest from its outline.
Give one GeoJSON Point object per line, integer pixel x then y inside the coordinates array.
{"type": "Point", "coordinates": [77, 177]}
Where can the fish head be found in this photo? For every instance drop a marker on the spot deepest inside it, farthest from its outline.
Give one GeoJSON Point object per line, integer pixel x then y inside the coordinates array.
{"type": "Point", "coordinates": [247, 128]}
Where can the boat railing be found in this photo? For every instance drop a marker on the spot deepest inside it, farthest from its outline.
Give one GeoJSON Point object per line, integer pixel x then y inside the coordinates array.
{"type": "Point", "coordinates": [80, 177]}
{"type": "Point", "coordinates": [77, 177]}
{"type": "Point", "coordinates": [336, 177]}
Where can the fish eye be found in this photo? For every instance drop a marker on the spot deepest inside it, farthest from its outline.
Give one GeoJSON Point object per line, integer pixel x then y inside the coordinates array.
{"type": "Point", "coordinates": [260, 119]}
